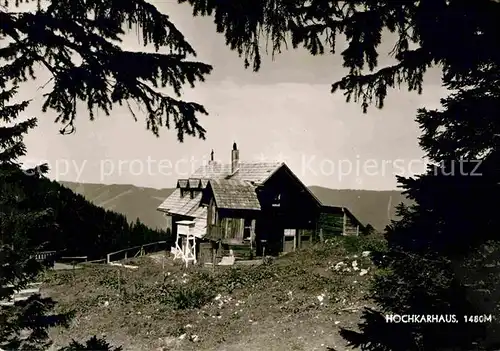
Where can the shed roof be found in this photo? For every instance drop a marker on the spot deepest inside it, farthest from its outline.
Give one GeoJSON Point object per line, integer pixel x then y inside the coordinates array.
{"type": "Point", "coordinates": [183, 206]}
{"type": "Point", "coordinates": [234, 194]}
{"type": "Point", "coordinates": [256, 172]}
{"type": "Point", "coordinates": [200, 222]}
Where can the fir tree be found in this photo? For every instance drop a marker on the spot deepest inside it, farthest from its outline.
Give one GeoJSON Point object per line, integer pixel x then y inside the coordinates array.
{"type": "Point", "coordinates": [24, 325]}
{"type": "Point", "coordinates": [76, 41]}
{"type": "Point", "coordinates": [444, 252]}
{"type": "Point", "coordinates": [93, 344]}
{"type": "Point", "coordinates": [457, 36]}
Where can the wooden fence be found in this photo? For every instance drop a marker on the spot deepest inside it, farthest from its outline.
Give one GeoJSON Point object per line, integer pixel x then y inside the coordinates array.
{"type": "Point", "coordinates": [21, 295]}
{"type": "Point", "coordinates": [74, 261]}
{"type": "Point", "coordinates": [135, 251]}
{"type": "Point", "coordinates": [44, 255]}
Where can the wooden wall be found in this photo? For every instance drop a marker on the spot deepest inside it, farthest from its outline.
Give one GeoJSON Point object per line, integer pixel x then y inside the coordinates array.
{"type": "Point", "coordinates": [240, 251]}
{"type": "Point", "coordinates": [295, 209]}
{"type": "Point", "coordinates": [205, 253]}
{"type": "Point", "coordinates": [232, 228]}
{"type": "Point", "coordinates": [211, 213]}
{"type": "Point", "coordinates": [334, 224]}
{"type": "Point", "coordinates": [351, 227]}
{"type": "Point", "coordinates": [305, 237]}
{"type": "Point", "coordinates": [169, 224]}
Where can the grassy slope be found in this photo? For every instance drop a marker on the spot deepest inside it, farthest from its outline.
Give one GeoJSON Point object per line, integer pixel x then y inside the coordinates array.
{"type": "Point", "coordinates": [268, 307]}
{"type": "Point", "coordinates": [374, 207]}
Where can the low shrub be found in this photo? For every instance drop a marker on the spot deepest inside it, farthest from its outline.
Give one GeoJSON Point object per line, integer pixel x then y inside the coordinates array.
{"type": "Point", "coordinates": [183, 297]}
{"type": "Point", "coordinates": [357, 244]}
{"type": "Point", "coordinates": [93, 344]}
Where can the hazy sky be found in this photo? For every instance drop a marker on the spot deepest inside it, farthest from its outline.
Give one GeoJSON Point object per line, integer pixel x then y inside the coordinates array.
{"type": "Point", "coordinates": [284, 112]}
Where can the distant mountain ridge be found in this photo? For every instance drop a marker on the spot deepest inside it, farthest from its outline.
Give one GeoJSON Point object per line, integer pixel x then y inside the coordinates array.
{"type": "Point", "coordinates": [371, 207]}
{"type": "Point", "coordinates": [132, 201]}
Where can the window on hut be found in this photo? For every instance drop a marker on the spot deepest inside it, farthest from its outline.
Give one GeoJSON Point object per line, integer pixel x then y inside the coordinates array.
{"type": "Point", "coordinates": [212, 214]}
{"type": "Point", "coordinates": [277, 200]}
{"type": "Point", "coordinates": [247, 230]}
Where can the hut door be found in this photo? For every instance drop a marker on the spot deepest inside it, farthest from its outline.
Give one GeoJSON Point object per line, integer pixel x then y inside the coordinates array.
{"type": "Point", "coordinates": [289, 241]}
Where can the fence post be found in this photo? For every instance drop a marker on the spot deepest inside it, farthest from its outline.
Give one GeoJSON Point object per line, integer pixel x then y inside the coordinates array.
{"type": "Point", "coordinates": [214, 258]}
{"type": "Point", "coordinates": [321, 238]}
{"type": "Point", "coordinates": [119, 284]}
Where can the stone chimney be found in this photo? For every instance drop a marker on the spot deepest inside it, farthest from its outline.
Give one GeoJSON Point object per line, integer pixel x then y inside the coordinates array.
{"type": "Point", "coordinates": [235, 158]}
{"type": "Point", "coordinates": [211, 161]}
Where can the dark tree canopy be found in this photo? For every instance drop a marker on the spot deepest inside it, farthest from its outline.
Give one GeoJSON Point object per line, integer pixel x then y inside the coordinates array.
{"type": "Point", "coordinates": [466, 127]}
{"type": "Point", "coordinates": [456, 35]}
{"type": "Point", "coordinates": [39, 214]}
{"type": "Point", "coordinates": [78, 42]}
{"type": "Point", "coordinates": [442, 259]}
{"type": "Point", "coordinates": [93, 344]}
{"type": "Point", "coordinates": [74, 41]}
{"type": "Point", "coordinates": [443, 253]}
{"type": "Point", "coordinates": [23, 326]}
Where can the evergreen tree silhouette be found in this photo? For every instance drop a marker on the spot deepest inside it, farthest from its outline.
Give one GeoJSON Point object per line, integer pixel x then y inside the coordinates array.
{"type": "Point", "coordinates": [93, 344]}
{"type": "Point", "coordinates": [24, 325]}
{"type": "Point", "coordinates": [76, 41]}
{"type": "Point", "coordinates": [457, 36]}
